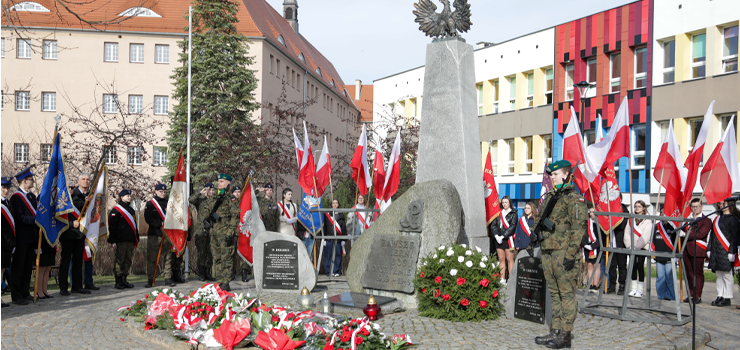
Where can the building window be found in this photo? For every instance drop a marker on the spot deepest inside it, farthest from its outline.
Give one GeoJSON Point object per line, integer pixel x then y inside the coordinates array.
{"type": "Point", "coordinates": [109, 153]}
{"type": "Point", "coordinates": [530, 90]}
{"type": "Point", "coordinates": [729, 49]}
{"type": "Point", "coordinates": [641, 66]}
{"type": "Point", "coordinates": [159, 156]}
{"type": "Point", "coordinates": [161, 105]}
{"type": "Point", "coordinates": [48, 101]}
{"type": "Point", "coordinates": [547, 144]}
{"type": "Point", "coordinates": [50, 50]}
{"type": "Point", "coordinates": [110, 104]}
{"type": "Point", "coordinates": [281, 40]}
{"type": "Point", "coordinates": [111, 52]}
{"type": "Point", "coordinates": [638, 146]}
{"type": "Point", "coordinates": [161, 54]}
{"type": "Point", "coordinates": [139, 12]}
{"type": "Point", "coordinates": [548, 86]}
{"type": "Point", "coordinates": [698, 55]}
{"type": "Point", "coordinates": [694, 128]}
{"type": "Point", "coordinates": [724, 120]}
{"type": "Point", "coordinates": [21, 153]}
{"type": "Point", "coordinates": [272, 64]}
{"type": "Point", "coordinates": [22, 101]}
{"type": "Point", "coordinates": [591, 76]}
{"type": "Point", "coordinates": [569, 81]}
{"type": "Point", "coordinates": [669, 61]}
{"type": "Point", "coordinates": [528, 153]}
{"type": "Point", "coordinates": [615, 77]}
{"type": "Point", "coordinates": [24, 49]}
{"type": "Point", "coordinates": [301, 57]}
{"type": "Point", "coordinates": [136, 54]}
{"type": "Point", "coordinates": [494, 157]}
{"type": "Point", "coordinates": [479, 90]}
{"type": "Point", "coordinates": [45, 152]}
{"type": "Point", "coordinates": [512, 153]}
{"type": "Point", "coordinates": [29, 6]}
{"type": "Point", "coordinates": [135, 155]}
{"type": "Point", "coordinates": [135, 104]}
{"type": "Point", "coordinates": [512, 93]}
{"type": "Point", "coordinates": [495, 96]}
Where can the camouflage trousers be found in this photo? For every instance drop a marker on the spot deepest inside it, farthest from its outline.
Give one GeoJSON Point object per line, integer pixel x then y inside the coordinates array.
{"type": "Point", "coordinates": [124, 257]}
{"type": "Point", "coordinates": [203, 245]}
{"type": "Point", "coordinates": [562, 286]}
{"type": "Point", "coordinates": [152, 249]}
{"type": "Point", "coordinates": [223, 258]}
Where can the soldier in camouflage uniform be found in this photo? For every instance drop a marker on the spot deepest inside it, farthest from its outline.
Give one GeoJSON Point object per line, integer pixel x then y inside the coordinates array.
{"type": "Point", "coordinates": [560, 254]}
{"type": "Point", "coordinates": [225, 220]}
{"type": "Point", "coordinates": [202, 236]}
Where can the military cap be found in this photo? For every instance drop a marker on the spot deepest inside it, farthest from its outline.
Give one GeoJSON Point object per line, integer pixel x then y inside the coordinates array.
{"type": "Point", "coordinates": [24, 174]}
{"type": "Point", "coordinates": [123, 193]}
{"type": "Point", "coordinates": [208, 185]}
{"type": "Point", "coordinates": [160, 187]}
{"type": "Point", "coordinates": [7, 181]}
{"type": "Point", "coordinates": [558, 165]}
{"type": "Point", "coordinates": [226, 177]}
{"type": "Point", "coordinates": [269, 185]}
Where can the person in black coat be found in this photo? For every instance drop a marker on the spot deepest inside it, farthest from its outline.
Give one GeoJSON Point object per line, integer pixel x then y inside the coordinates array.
{"type": "Point", "coordinates": [721, 250]}
{"type": "Point", "coordinates": [8, 228]}
{"type": "Point", "coordinates": [333, 248]}
{"type": "Point", "coordinates": [664, 237]}
{"type": "Point", "coordinates": [24, 205]}
{"type": "Point", "coordinates": [124, 236]}
{"type": "Point", "coordinates": [73, 241]}
{"type": "Point", "coordinates": [502, 235]}
{"type": "Point", "coordinates": [619, 261]}
{"type": "Point", "coordinates": [155, 219]}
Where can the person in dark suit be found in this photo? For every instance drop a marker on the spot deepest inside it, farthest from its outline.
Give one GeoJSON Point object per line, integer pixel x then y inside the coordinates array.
{"type": "Point", "coordinates": [24, 204]}
{"type": "Point", "coordinates": [696, 247]}
{"type": "Point", "coordinates": [73, 242]}
{"type": "Point", "coordinates": [8, 227]}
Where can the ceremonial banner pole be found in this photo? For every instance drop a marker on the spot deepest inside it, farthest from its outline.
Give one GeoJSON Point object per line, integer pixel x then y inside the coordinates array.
{"type": "Point", "coordinates": [36, 279]}
{"type": "Point", "coordinates": [187, 164]}
{"type": "Point", "coordinates": [331, 188]}
{"type": "Point", "coordinates": [159, 253]}
{"type": "Point", "coordinates": [315, 191]}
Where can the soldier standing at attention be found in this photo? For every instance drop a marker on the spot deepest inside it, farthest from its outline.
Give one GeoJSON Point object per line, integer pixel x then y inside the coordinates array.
{"type": "Point", "coordinates": [224, 218]}
{"type": "Point", "coordinates": [561, 252]}
{"type": "Point", "coordinates": [268, 208]}
{"type": "Point", "coordinates": [202, 238]}
{"type": "Point", "coordinates": [124, 236]}
{"type": "Point", "coordinates": [154, 213]}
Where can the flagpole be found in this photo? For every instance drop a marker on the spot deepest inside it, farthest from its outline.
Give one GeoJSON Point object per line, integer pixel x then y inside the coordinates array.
{"type": "Point", "coordinates": [190, 75]}
{"type": "Point", "coordinates": [331, 187]}
{"type": "Point", "coordinates": [316, 192]}
{"type": "Point", "coordinates": [90, 199]}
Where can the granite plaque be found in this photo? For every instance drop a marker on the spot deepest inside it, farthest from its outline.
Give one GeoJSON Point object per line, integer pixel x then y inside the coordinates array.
{"type": "Point", "coordinates": [280, 265]}
{"type": "Point", "coordinates": [529, 300]}
{"type": "Point", "coordinates": [391, 263]}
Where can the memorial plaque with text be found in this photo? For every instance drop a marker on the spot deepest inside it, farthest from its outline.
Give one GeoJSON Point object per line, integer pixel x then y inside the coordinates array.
{"type": "Point", "coordinates": [391, 263]}
{"type": "Point", "coordinates": [280, 265]}
{"type": "Point", "coordinates": [529, 301]}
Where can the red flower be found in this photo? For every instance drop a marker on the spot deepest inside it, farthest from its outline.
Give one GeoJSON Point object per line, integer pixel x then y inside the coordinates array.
{"type": "Point", "coordinates": [436, 293]}
{"type": "Point", "coordinates": [329, 347]}
{"type": "Point", "coordinates": [438, 279]}
{"type": "Point", "coordinates": [346, 337]}
{"type": "Point", "coordinates": [364, 332]}
{"type": "Point", "coordinates": [275, 319]}
{"type": "Point", "coordinates": [460, 281]}
{"type": "Point", "coordinates": [495, 293]}
{"type": "Point", "coordinates": [422, 274]}
{"type": "Point", "coordinates": [483, 304]}
{"type": "Point", "coordinates": [121, 319]}
{"type": "Point", "coordinates": [358, 340]}
{"type": "Point", "coordinates": [464, 302]}
{"type": "Point", "coordinates": [423, 290]}
{"type": "Point", "coordinates": [146, 296]}
{"type": "Point", "coordinates": [446, 297]}
{"type": "Point", "coordinates": [484, 282]}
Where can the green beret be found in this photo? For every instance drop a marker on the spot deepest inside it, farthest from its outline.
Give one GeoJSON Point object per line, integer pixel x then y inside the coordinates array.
{"type": "Point", "coordinates": [558, 165]}
{"type": "Point", "coordinates": [228, 177]}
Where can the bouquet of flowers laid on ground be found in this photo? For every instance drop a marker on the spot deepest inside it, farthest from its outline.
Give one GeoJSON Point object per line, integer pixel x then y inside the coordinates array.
{"type": "Point", "coordinates": [458, 283]}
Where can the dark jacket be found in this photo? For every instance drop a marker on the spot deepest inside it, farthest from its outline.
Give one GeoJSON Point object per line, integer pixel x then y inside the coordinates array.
{"type": "Point", "coordinates": [26, 231]}
{"type": "Point", "coordinates": [8, 235]}
{"type": "Point", "coordinates": [586, 241]}
{"type": "Point", "coordinates": [699, 232]}
{"type": "Point", "coordinates": [718, 261]}
{"type": "Point", "coordinates": [329, 228]}
{"type": "Point", "coordinates": [619, 230]}
{"type": "Point", "coordinates": [152, 216]}
{"type": "Point", "coordinates": [511, 218]}
{"type": "Point", "coordinates": [119, 230]}
{"type": "Point", "coordinates": [521, 239]}
{"type": "Point", "coordinates": [78, 199]}
{"type": "Point", "coordinates": [659, 243]}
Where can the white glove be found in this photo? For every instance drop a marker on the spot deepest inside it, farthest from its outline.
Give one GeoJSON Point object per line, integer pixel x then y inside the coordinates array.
{"type": "Point", "coordinates": [289, 221]}
{"type": "Point", "coordinates": [499, 239]}
{"type": "Point", "coordinates": [306, 235]}
{"type": "Point", "coordinates": [731, 257]}
{"type": "Point", "coordinates": [682, 233]}
{"type": "Point", "coordinates": [323, 243]}
{"type": "Point", "coordinates": [588, 247]}
{"type": "Point", "coordinates": [709, 254]}
{"type": "Point", "coordinates": [343, 242]}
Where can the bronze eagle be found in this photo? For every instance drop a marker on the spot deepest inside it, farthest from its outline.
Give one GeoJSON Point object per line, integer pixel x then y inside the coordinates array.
{"type": "Point", "coordinates": [444, 24]}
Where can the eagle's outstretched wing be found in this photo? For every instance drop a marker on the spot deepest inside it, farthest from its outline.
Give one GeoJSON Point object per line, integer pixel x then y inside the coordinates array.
{"type": "Point", "coordinates": [428, 18]}
{"type": "Point", "coordinates": [462, 15]}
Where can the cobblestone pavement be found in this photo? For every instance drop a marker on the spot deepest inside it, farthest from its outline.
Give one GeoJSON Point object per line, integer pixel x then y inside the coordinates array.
{"type": "Point", "coordinates": [91, 322]}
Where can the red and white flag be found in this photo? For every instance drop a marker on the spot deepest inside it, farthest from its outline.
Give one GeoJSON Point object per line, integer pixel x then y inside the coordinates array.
{"type": "Point", "coordinates": [177, 214]}
{"type": "Point", "coordinates": [307, 170]}
{"type": "Point", "coordinates": [609, 200]}
{"type": "Point", "coordinates": [574, 152]}
{"type": "Point", "coordinates": [670, 173]}
{"type": "Point", "coordinates": [721, 176]}
{"type": "Point", "coordinates": [94, 222]}
{"type": "Point", "coordinates": [250, 223]}
{"type": "Point", "coordinates": [323, 170]}
{"type": "Point", "coordinates": [393, 173]}
{"type": "Point", "coordinates": [615, 145]}
{"type": "Point", "coordinates": [360, 169]}
{"type": "Point", "coordinates": [694, 160]}
{"type": "Point", "coordinates": [378, 175]}
{"type": "Point", "coordinates": [298, 150]}
{"type": "Point", "coordinates": [490, 193]}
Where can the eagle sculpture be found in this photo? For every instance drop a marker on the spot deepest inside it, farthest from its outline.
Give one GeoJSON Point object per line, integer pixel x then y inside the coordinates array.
{"type": "Point", "coordinates": [443, 24]}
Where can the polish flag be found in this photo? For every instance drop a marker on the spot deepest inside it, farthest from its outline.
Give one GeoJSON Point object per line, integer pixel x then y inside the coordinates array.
{"type": "Point", "coordinates": [323, 170]}
{"type": "Point", "coordinates": [721, 175]}
{"type": "Point", "coordinates": [177, 215]}
{"type": "Point", "coordinates": [298, 150]}
{"type": "Point", "coordinates": [393, 174]}
{"type": "Point", "coordinates": [616, 144]}
{"type": "Point", "coordinates": [250, 223]}
{"type": "Point", "coordinates": [360, 170]}
{"type": "Point", "coordinates": [573, 151]}
{"type": "Point", "coordinates": [670, 173]}
{"type": "Point", "coordinates": [694, 160]}
{"type": "Point", "coordinates": [379, 175]}
{"type": "Point", "coordinates": [490, 193]}
{"type": "Point", "coordinates": [307, 172]}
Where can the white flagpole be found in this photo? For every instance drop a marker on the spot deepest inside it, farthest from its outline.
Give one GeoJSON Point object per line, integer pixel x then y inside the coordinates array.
{"type": "Point", "coordinates": [187, 166]}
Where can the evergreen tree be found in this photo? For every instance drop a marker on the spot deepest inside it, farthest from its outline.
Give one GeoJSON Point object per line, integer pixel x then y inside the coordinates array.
{"type": "Point", "coordinates": [222, 95]}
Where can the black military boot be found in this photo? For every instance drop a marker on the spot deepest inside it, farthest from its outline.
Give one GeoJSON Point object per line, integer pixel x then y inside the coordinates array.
{"type": "Point", "coordinates": [561, 342]}
{"type": "Point", "coordinates": [149, 283]}
{"type": "Point", "coordinates": [245, 275]}
{"type": "Point", "coordinates": [621, 290]}
{"type": "Point", "coordinates": [225, 287]}
{"type": "Point", "coordinates": [202, 274]}
{"type": "Point", "coordinates": [209, 276]}
{"type": "Point", "coordinates": [169, 282]}
{"type": "Point", "coordinates": [125, 282]}
{"type": "Point", "coordinates": [119, 282]}
{"type": "Point", "coordinates": [543, 340]}
{"type": "Point", "coordinates": [179, 277]}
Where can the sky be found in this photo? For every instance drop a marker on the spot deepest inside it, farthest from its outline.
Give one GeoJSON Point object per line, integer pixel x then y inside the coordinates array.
{"type": "Point", "coordinates": [372, 39]}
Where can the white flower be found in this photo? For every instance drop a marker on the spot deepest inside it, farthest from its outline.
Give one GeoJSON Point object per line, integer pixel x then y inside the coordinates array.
{"type": "Point", "coordinates": [441, 261]}
{"type": "Point", "coordinates": [483, 265]}
{"type": "Point", "coordinates": [435, 256]}
{"type": "Point", "coordinates": [463, 245]}
{"type": "Point", "coordinates": [441, 247]}
{"type": "Point", "coordinates": [450, 252]}
{"type": "Point", "coordinates": [165, 290]}
{"type": "Point", "coordinates": [478, 249]}
{"type": "Point", "coordinates": [484, 259]}
{"type": "Point", "coordinates": [460, 259]}
{"type": "Point", "coordinates": [469, 263]}
{"type": "Point", "coordinates": [468, 252]}
{"type": "Point", "coordinates": [453, 272]}
{"type": "Point", "coordinates": [425, 263]}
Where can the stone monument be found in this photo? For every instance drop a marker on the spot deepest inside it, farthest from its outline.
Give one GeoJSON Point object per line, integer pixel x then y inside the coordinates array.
{"type": "Point", "coordinates": [281, 263]}
{"type": "Point", "coordinates": [527, 296]}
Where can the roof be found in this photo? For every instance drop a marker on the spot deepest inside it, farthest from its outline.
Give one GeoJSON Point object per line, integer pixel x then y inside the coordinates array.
{"type": "Point", "coordinates": [365, 103]}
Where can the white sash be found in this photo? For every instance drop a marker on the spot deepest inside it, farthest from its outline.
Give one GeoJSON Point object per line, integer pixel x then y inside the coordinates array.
{"type": "Point", "coordinates": [23, 195]}
{"type": "Point", "coordinates": [505, 225]}
{"type": "Point", "coordinates": [591, 239]}
{"type": "Point", "coordinates": [666, 239]}
{"type": "Point", "coordinates": [525, 225]}
{"type": "Point", "coordinates": [336, 225]}
{"type": "Point", "coordinates": [127, 216]}
{"type": "Point", "coordinates": [361, 216]}
{"type": "Point", "coordinates": [159, 209]}
{"type": "Point", "coordinates": [8, 216]}
{"type": "Point", "coordinates": [287, 214]}
{"type": "Point", "coordinates": [720, 235]}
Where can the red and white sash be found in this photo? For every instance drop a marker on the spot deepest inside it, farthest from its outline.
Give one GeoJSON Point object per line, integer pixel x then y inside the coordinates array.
{"type": "Point", "coordinates": [129, 218]}
{"type": "Point", "coordinates": [720, 235]}
{"type": "Point", "coordinates": [361, 216]}
{"type": "Point", "coordinates": [159, 209]}
{"type": "Point", "coordinates": [505, 225]}
{"type": "Point", "coordinates": [524, 225]}
{"type": "Point", "coordinates": [25, 200]}
{"type": "Point", "coordinates": [286, 213]}
{"type": "Point", "coordinates": [666, 238]}
{"type": "Point", "coordinates": [634, 228]}
{"type": "Point", "coordinates": [701, 244]}
{"type": "Point", "coordinates": [336, 225]}
{"type": "Point", "coordinates": [9, 217]}
{"type": "Point", "coordinates": [591, 239]}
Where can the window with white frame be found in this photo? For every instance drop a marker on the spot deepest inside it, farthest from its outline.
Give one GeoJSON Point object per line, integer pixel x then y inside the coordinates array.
{"type": "Point", "coordinates": [22, 101]}
{"type": "Point", "coordinates": [729, 49]}
{"type": "Point", "coordinates": [547, 145]}
{"type": "Point", "coordinates": [45, 152]}
{"type": "Point", "coordinates": [528, 153]}
{"type": "Point", "coordinates": [161, 54]}
{"type": "Point", "coordinates": [511, 155]}
{"type": "Point", "coordinates": [135, 104]}
{"type": "Point", "coordinates": [136, 53]}
{"type": "Point", "coordinates": [698, 55]}
{"type": "Point", "coordinates": [159, 156]}
{"type": "Point", "coordinates": [639, 145]}
{"type": "Point", "coordinates": [110, 103]}
{"type": "Point", "coordinates": [615, 72]}
{"type": "Point", "coordinates": [111, 52]}
{"type": "Point", "coordinates": [494, 157]}
{"type": "Point", "coordinates": [548, 86]}
{"type": "Point", "coordinates": [29, 6]}
{"type": "Point", "coordinates": [110, 155]}
{"type": "Point", "coordinates": [48, 101]}
{"type": "Point", "coordinates": [530, 90]}
{"type": "Point", "coordinates": [663, 126]}
{"type": "Point", "coordinates": [724, 120]}
{"type": "Point", "coordinates": [669, 61]}
{"type": "Point", "coordinates": [161, 105]}
{"type": "Point", "coordinates": [479, 90]}
{"type": "Point", "coordinates": [281, 40]}
{"type": "Point", "coordinates": [50, 49]}
{"type": "Point", "coordinates": [21, 153]}
{"type": "Point", "coordinates": [569, 81]}
{"type": "Point", "coordinates": [641, 66]}
{"type": "Point", "coordinates": [272, 64]}
{"type": "Point", "coordinates": [495, 96]}
{"type": "Point", "coordinates": [139, 12]}
{"type": "Point", "coordinates": [23, 49]}
{"type": "Point", "coordinates": [135, 155]}
{"type": "Point", "coordinates": [591, 76]}
{"type": "Point", "coordinates": [512, 93]}
{"type": "Point", "coordinates": [694, 128]}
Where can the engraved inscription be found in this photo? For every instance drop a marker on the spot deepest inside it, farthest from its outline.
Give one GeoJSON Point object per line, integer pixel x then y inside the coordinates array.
{"type": "Point", "coordinates": [529, 302]}
{"type": "Point", "coordinates": [280, 265]}
{"type": "Point", "coordinates": [391, 263]}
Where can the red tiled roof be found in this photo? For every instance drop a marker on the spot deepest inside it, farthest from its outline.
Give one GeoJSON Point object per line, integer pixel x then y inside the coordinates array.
{"type": "Point", "coordinates": [365, 103]}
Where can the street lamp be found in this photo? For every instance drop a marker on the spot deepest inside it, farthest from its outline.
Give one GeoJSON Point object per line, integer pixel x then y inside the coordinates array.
{"type": "Point", "coordinates": [583, 90]}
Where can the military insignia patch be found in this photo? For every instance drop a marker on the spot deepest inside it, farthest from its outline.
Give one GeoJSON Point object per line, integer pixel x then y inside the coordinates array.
{"type": "Point", "coordinates": [581, 200]}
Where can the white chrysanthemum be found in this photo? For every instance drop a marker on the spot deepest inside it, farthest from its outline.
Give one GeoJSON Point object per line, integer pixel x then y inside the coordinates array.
{"type": "Point", "coordinates": [469, 263]}
{"type": "Point", "coordinates": [453, 272]}
{"type": "Point", "coordinates": [435, 256]}
{"type": "Point", "coordinates": [460, 259]}
{"type": "Point", "coordinates": [165, 290]}
{"type": "Point", "coordinates": [483, 265]}
{"type": "Point", "coordinates": [463, 245]}
{"type": "Point", "coordinates": [478, 249]}
{"type": "Point", "coordinates": [441, 261]}
{"type": "Point", "coordinates": [468, 252]}
{"type": "Point", "coordinates": [425, 263]}
{"type": "Point", "coordinates": [441, 247]}
{"type": "Point", "coordinates": [450, 252]}
{"type": "Point", "coordinates": [484, 259]}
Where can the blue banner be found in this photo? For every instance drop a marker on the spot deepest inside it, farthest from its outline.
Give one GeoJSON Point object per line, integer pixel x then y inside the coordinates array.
{"type": "Point", "coordinates": [312, 221]}
{"type": "Point", "coordinates": [54, 201]}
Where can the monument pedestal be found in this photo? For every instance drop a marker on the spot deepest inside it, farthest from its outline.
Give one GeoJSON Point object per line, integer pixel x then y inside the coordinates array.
{"type": "Point", "coordinates": [527, 296]}
{"type": "Point", "coordinates": [449, 140]}
{"type": "Point", "coordinates": [281, 263]}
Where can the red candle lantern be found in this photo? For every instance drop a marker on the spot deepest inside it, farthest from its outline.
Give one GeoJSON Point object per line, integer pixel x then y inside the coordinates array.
{"type": "Point", "coordinates": [372, 310]}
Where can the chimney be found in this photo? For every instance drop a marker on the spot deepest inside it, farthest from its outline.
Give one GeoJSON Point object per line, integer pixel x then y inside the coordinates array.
{"type": "Point", "coordinates": [358, 89]}
{"type": "Point", "coordinates": [290, 13]}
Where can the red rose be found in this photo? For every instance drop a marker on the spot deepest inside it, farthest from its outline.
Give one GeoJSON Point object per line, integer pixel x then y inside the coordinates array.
{"type": "Point", "coordinates": [484, 283]}
{"type": "Point", "coordinates": [446, 297]}
{"type": "Point", "coordinates": [121, 319]}
{"type": "Point", "coordinates": [275, 319]}
{"type": "Point", "coordinates": [438, 279]}
{"type": "Point", "coordinates": [460, 281]}
{"type": "Point", "coordinates": [422, 274]}
{"type": "Point", "coordinates": [364, 332]}
{"type": "Point", "coordinates": [436, 293]}
{"type": "Point", "coordinates": [358, 340]}
{"type": "Point", "coordinates": [329, 347]}
{"type": "Point", "coordinates": [464, 302]}
{"type": "Point", "coordinates": [483, 304]}
{"type": "Point", "coordinates": [423, 290]}
{"type": "Point", "coordinates": [495, 293]}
